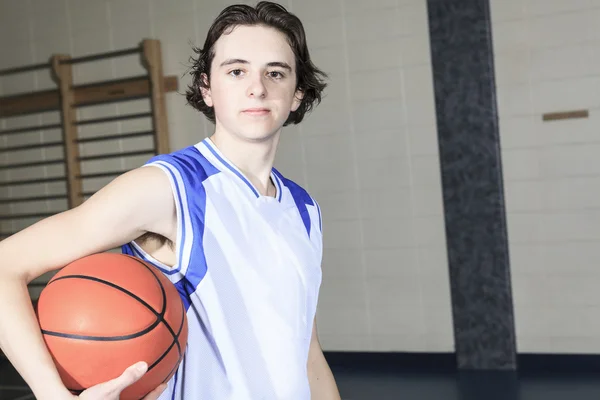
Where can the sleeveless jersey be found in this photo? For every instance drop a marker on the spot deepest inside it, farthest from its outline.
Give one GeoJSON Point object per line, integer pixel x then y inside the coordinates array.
{"type": "Point", "coordinates": [248, 270]}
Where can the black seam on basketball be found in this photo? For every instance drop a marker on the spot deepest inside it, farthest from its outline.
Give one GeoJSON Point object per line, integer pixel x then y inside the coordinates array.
{"type": "Point", "coordinates": [167, 325]}
{"type": "Point", "coordinates": [175, 335]}
{"type": "Point", "coordinates": [127, 292]}
{"type": "Point", "coordinates": [180, 358]}
{"type": "Point", "coordinates": [159, 316]}
{"type": "Point", "coordinates": [173, 369]}
{"type": "Point", "coordinates": [175, 342]}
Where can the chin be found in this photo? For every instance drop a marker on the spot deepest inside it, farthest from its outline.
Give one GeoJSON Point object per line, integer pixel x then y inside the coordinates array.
{"type": "Point", "coordinates": [258, 136]}
{"type": "Point", "coordinates": [258, 132]}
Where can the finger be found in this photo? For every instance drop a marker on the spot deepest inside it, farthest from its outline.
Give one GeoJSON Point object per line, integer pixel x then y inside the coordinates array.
{"type": "Point", "coordinates": [155, 394]}
{"type": "Point", "coordinates": [127, 378]}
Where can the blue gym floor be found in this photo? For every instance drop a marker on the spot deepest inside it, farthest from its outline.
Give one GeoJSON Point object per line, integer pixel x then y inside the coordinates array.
{"type": "Point", "coordinates": [357, 384]}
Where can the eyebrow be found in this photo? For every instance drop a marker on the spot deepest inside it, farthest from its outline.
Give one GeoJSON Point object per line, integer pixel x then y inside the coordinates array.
{"type": "Point", "coordinates": [271, 64]}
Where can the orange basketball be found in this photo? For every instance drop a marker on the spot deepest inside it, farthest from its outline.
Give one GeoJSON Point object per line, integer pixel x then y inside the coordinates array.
{"type": "Point", "coordinates": [105, 312]}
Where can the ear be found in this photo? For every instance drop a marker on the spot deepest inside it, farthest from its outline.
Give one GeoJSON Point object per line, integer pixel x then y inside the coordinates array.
{"type": "Point", "coordinates": [298, 96]}
{"type": "Point", "coordinates": [206, 93]}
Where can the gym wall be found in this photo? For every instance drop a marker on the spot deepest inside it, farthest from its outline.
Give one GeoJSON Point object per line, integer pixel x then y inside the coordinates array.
{"type": "Point", "coordinates": [548, 61]}
{"type": "Point", "coordinates": [368, 153]}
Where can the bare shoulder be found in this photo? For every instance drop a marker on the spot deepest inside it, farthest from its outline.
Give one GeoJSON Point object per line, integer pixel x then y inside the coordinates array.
{"type": "Point", "coordinates": [140, 178]}
{"type": "Point", "coordinates": [144, 193]}
{"type": "Point", "coordinates": [146, 183]}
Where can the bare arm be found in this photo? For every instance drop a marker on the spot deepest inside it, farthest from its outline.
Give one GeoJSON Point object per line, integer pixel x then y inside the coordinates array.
{"type": "Point", "coordinates": [117, 214]}
{"type": "Point", "coordinates": [322, 382]}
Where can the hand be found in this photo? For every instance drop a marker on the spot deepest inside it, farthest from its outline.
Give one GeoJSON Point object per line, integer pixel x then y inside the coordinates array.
{"type": "Point", "coordinates": [112, 389]}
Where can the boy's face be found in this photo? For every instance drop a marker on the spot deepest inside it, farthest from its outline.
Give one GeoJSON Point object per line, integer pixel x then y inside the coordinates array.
{"type": "Point", "coordinates": [253, 82]}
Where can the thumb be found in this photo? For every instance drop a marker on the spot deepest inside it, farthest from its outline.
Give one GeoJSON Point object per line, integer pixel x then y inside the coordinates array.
{"type": "Point", "coordinates": [127, 378]}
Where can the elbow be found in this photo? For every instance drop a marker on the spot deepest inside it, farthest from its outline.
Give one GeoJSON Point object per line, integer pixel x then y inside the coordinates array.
{"type": "Point", "coordinates": [12, 270]}
{"type": "Point", "coordinates": [13, 276]}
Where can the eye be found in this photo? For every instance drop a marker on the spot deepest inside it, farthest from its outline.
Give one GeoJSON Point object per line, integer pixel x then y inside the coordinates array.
{"type": "Point", "coordinates": [235, 72]}
{"type": "Point", "coordinates": [276, 75]}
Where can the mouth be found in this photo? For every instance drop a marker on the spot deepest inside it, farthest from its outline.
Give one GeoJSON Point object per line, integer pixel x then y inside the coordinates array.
{"type": "Point", "coordinates": [256, 111]}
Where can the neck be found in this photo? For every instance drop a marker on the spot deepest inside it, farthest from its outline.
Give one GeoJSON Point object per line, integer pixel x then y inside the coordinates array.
{"type": "Point", "coordinates": [254, 159]}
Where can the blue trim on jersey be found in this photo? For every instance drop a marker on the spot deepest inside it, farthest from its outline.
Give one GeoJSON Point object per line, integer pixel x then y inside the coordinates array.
{"type": "Point", "coordinates": [185, 289]}
{"type": "Point", "coordinates": [301, 198]}
{"type": "Point", "coordinates": [128, 249]}
{"type": "Point", "coordinates": [193, 169]}
{"type": "Point", "coordinates": [320, 218]}
{"type": "Point", "coordinates": [183, 236]}
{"type": "Point", "coordinates": [175, 384]}
{"type": "Point", "coordinates": [138, 254]}
{"type": "Point", "coordinates": [278, 183]}
{"type": "Point", "coordinates": [234, 170]}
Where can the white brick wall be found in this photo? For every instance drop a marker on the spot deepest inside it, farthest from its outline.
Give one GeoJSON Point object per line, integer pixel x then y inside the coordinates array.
{"type": "Point", "coordinates": [547, 60]}
{"type": "Point", "coordinates": [368, 153]}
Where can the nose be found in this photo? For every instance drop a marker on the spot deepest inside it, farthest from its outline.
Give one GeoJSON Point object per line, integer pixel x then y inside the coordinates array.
{"type": "Point", "coordinates": [257, 87]}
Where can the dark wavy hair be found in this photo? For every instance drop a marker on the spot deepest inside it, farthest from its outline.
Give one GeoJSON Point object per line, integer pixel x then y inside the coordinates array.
{"type": "Point", "coordinates": [310, 80]}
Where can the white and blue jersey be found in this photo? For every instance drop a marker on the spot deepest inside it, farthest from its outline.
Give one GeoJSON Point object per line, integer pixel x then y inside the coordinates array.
{"type": "Point", "coordinates": [249, 271]}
